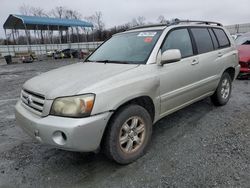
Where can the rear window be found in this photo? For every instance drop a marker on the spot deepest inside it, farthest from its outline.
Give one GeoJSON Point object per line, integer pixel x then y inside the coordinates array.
{"type": "Point", "coordinates": [203, 40]}
{"type": "Point", "coordinates": [222, 38]}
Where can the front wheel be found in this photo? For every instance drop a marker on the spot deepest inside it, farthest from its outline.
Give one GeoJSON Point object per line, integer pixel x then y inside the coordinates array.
{"type": "Point", "coordinates": [223, 91]}
{"type": "Point", "coordinates": [128, 134]}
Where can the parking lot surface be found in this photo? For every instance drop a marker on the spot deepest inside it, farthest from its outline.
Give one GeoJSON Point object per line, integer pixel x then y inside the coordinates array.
{"type": "Point", "coordinates": [199, 146]}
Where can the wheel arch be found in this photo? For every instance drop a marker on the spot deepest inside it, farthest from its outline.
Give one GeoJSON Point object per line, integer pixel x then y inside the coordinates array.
{"type": "Point", "coordinates": [231, 72]}
{"type": "Point", "coordinates": [144, 101]}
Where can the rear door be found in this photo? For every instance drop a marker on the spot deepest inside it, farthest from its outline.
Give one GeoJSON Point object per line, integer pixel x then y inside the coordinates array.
{"type": "Point", "coordinates": [226, 54]}
{"type": "Point", "coordinates": [208, 58]}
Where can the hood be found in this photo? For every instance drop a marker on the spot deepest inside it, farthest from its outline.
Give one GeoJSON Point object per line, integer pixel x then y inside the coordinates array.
{"type": "Point", "coordinates": [244, 53]}
{"type": "Point", "coordinates": [69, 80]}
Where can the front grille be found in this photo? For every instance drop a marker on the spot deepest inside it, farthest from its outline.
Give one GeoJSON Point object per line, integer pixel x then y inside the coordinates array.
{"type": "Point", "coordinates": [34, 102]}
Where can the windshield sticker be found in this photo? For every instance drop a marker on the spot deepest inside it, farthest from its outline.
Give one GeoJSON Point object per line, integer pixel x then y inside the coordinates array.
{"type": "Point", "coordinates": [147, 34]}
{"type": "Point", "coordinates": [148, 39]}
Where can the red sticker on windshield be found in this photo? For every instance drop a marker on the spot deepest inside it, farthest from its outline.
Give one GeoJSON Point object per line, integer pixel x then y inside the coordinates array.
{"type": "Point", "coordinates": [148, 39]}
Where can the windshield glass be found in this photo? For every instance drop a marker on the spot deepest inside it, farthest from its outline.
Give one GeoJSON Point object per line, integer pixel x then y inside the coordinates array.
{"type": "Point", "coordinates": [131, 48]}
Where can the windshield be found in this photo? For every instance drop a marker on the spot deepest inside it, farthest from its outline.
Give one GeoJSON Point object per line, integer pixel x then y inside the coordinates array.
{"type": "Point", "coordinates": [243, 40]}
{"type": "Point", "coordinates": [129, 48]}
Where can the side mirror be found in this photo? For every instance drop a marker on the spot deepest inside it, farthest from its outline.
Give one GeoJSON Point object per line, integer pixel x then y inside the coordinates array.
{"type": "Point", "coordinates": [170, 56]}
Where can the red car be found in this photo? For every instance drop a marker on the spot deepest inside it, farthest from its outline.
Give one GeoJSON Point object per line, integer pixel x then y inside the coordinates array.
{"type": "Point", "coordinates": [243, 43]}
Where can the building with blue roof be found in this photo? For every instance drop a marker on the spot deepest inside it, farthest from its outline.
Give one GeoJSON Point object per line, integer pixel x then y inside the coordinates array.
{"type": "Point", "coordinates": [42, 23]}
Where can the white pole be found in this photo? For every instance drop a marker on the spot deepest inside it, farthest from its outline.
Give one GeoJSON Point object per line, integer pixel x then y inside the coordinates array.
{"type": "Point", "coordinates": [7, 40]}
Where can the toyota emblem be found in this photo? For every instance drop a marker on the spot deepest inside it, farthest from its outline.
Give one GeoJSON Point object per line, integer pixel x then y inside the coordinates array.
{"type": "Point", "coordinates": [29, 100]}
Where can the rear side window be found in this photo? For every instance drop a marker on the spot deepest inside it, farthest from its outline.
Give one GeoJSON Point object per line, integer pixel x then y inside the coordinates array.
{"type": "Point", "coordinates": [203, 40]}
{"type": "Point", "coordinates": [215, 42]}
{"type": "Point", "coordinates": [179, 39]}
{"type": "Point", "coordinates": [222, 38]}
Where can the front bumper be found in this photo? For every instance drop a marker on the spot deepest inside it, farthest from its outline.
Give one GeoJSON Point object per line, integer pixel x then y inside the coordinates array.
{"type": "Point", "coordinates": [244, 70]}
{"type": "Point", "coordinates": [75, 134]}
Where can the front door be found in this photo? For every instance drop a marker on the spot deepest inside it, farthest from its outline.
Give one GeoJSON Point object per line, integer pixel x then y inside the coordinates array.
{"type": "Point", "coordinates": [178, 80]}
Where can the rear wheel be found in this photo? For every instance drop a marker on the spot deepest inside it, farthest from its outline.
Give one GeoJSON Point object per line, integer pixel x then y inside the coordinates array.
{"type": "Point", "coordinates": [128, 134]}
{"type": "Point", "coordinates": [223, 91]}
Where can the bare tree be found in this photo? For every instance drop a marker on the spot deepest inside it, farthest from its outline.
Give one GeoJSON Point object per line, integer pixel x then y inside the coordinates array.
{"type": "Point", "coordinates": [37, 11]}
{"type": "Point", "coordinates": [58, 12]}
{"type": "Point", "coordinates": [25, 10]}
{"type": "Point", "coordinates": [140, 20]}
{"type": "Point", "coordinates": [97, 20]}
{"type": "Point", "coordinates": [78, 16]}
{"type": "Point", "coordinates": [71, 14]}
{"type": "Point", "coordinates": [32, 11]}
{"type": "Point", "coordinates": [62, 12]}
{"type": "Point", "coordinates": [161, 19]}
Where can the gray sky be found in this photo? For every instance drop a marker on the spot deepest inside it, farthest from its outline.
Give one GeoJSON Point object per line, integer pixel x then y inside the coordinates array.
{"type": "Point", "coordinates": [117, 12]}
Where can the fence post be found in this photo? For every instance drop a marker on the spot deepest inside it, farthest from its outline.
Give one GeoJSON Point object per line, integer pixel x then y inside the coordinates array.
{"type": "Point", "coordinates": [27, 38]}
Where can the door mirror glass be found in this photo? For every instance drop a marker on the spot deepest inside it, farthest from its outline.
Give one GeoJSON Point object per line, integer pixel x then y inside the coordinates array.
{"type": "Point", "coordinates": [170, 56]}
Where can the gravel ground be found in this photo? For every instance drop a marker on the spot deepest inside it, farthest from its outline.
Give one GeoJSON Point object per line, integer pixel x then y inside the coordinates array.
{"type": "Point", "coordinates": [199, 146]}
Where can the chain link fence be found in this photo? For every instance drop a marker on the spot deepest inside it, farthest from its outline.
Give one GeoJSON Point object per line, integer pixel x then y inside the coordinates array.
{"type": "Point", "coordinates": [42, 49]}
{"type": "Point", "coordinates": [238, 28]}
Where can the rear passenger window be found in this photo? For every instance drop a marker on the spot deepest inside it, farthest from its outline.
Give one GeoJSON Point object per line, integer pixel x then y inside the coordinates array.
{"type": "Point", "coordinates": [215, 42]}
{"type": "Point", "coordinates": [203, 40]}
{"type": "Point", "coordinates": [179, 39]}
{"type": "Point", "coordinates": [222, 38]}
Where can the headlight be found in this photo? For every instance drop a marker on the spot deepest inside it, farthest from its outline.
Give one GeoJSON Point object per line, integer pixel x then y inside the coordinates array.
{"type": "Point", "coordinates": [75, 106]}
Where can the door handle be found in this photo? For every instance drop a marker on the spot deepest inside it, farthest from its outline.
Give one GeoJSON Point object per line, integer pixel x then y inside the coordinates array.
{"type": "Point", "coordinates": [220, 54]}
{"type": "Point", "coordinates": [195, 62]}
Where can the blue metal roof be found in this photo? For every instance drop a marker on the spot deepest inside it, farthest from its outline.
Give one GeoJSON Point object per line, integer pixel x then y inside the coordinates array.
{"type": "Point", "coordinates": [18, 21]}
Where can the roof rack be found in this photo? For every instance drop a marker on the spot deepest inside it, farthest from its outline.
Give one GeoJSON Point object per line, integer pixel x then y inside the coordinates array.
{"type": "Point", "coordinates": [176, 22]}
{"type": "Point", "coordinates": [145, 26]}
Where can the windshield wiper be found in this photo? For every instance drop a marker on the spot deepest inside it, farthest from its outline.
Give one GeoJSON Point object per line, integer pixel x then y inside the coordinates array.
{"type": "Point", "coordinates": [88, 61]}
{"type": "Point", "coordinates": [111, 61]}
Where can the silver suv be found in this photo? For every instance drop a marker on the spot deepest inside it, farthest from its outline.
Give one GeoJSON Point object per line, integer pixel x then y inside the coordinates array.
{"type": "Point", "coordinates": [130, 82]}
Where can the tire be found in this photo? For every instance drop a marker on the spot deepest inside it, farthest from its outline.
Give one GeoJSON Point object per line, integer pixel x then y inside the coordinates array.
{"type": "Point", "coordinates": [223, 91]}
{"type": "Point", "coordinates": [125, 143]}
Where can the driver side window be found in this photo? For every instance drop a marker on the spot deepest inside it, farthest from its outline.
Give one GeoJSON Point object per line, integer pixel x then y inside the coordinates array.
{"type": "Point", "coordinates": [179, 39]}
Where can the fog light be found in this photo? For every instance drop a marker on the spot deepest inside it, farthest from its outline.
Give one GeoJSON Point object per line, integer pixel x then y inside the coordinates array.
{"type": "Point", "coordinates": [59, 137]}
